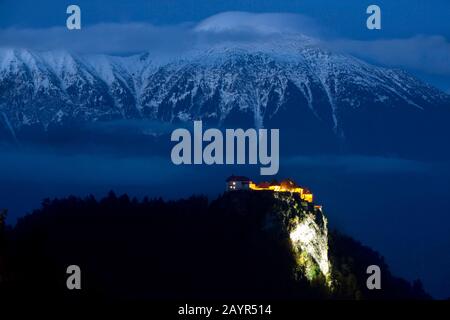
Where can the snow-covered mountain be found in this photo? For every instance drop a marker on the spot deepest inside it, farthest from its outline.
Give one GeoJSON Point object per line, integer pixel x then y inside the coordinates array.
{"type": "Point", "coordinates": [290, 83]}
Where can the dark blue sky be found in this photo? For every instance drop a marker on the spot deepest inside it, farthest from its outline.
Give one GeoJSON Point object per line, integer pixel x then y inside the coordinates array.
{"type": "Point", "coordinates": [401, 18]}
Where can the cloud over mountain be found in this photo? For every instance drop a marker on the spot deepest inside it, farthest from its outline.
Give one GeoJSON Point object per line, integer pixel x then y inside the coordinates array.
{"type": "Point", "coordinates": [263, 23]}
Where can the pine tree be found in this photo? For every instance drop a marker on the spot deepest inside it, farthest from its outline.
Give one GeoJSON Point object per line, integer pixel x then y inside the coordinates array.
{"type": "Point", "coordinates": [3, 214]}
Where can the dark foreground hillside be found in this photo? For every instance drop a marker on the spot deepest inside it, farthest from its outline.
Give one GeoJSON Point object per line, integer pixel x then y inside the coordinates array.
{"type": "Point", "coordinates": [230, 248]}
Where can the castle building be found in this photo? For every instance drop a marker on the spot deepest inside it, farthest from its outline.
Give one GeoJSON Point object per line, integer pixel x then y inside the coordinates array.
{"type": "Point", "coordinates": [235, 183]}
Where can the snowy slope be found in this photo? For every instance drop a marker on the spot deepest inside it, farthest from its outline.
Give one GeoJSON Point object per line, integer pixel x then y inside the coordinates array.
{"type": "Point", "coordinates": [285, 82]}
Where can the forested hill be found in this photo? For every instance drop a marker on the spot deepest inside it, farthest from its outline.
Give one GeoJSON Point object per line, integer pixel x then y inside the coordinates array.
{"type": "Point", "coordinates": [239, 246]}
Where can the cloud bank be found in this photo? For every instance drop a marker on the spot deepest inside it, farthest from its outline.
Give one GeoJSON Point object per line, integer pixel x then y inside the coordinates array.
{"type": "Point", "coordinates": [113, 38]}
{"type": "Point", "coordinates": [429, 54]}
{"type": "Point", "coordinates": [362, 164]}
{"type": "Point", "coordinates": [100, 38]}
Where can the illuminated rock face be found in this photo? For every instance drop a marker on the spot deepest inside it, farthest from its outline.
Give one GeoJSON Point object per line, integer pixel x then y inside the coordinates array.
{"type": "Point", "coordinates": [307, 228]}
{"type": "Point", "coordinates": [307, 236]}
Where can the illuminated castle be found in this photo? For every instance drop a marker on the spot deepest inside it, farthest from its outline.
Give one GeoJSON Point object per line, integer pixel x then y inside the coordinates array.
{"type": "Point", "coordinates": [235, 183]}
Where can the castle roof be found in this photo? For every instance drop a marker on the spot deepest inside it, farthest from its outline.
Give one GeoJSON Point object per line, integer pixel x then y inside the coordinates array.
{"type": "Point", "coordinates": [288, 183]}
{"type": "Point", "coordinates": [264, 185]}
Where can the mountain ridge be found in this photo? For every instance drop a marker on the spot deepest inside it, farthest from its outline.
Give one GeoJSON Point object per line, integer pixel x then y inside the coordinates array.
{"type": "Point", "coordinates": [288, 83]}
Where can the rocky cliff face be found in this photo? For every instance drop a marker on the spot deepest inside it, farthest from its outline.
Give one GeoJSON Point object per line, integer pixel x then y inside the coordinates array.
{"type": "Point", "coordinates": [289, 217]}
{"type": "Point", "coordinates": [308, 233]}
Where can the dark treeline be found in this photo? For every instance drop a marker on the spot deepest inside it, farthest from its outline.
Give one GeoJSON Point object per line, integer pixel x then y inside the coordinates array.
{"type": "Point", "coordinates": [185, 249]}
